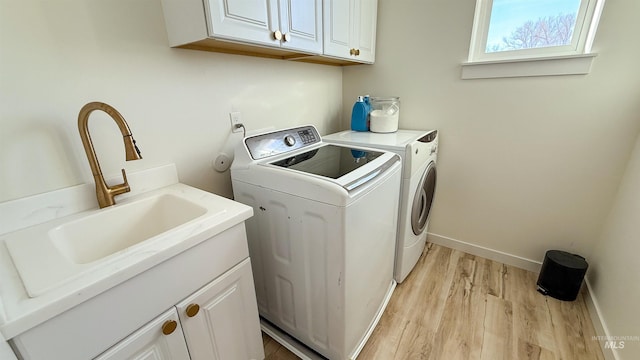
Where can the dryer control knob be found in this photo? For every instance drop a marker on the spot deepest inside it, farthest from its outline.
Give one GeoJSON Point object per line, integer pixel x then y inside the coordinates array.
{"type": "Point", "coordinates": [434, 149]}
{"type": "Point", "coordinates": [289, 140]}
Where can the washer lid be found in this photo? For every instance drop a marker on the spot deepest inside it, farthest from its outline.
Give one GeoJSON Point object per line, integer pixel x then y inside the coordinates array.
{"type": "Point", "coordinates": [286, 161]}
{"type": "Point", "coordinates": [330, 160]}
{"type": "Point", "coordinates": [348, 167]}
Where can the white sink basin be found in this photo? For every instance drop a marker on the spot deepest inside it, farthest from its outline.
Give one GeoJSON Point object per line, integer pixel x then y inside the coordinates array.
{"type": "Point", "coordinates": [88, 239]}
{"type": "Point", "coordinates": [136, 233]}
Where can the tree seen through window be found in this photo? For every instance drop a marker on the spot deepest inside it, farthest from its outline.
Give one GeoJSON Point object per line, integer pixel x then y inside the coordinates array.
{"type": "Point", "coordinates": [526, 24]}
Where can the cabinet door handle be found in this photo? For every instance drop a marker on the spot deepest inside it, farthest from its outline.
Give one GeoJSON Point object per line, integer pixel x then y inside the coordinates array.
{"type": "Point", "coordinates": [277, 35]}
{"type": "Point", "coordinates": [357, 52]}
{"type": "Point", "coordinates": [169, 327]}
{"type": "Point", "coordinates": [352, 51]}
{"type": "Point", "coordinates": [287, 37]}
{"type": "Point", "coordinates": [192, 310]}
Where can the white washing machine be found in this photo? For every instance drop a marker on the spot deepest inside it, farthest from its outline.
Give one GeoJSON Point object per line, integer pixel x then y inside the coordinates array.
{"type": "Point", "coordinates": [418, 150]}
{"type": "Point", "coordinates": [322, 237]}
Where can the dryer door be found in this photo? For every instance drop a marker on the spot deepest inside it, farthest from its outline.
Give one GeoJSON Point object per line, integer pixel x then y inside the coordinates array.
{"type": "Point", "coordinates": [423, 199]}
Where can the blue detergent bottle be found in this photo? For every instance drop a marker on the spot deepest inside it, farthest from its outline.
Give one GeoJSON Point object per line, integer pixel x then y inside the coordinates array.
{"type": "Point", "coordinates": [359, 115]}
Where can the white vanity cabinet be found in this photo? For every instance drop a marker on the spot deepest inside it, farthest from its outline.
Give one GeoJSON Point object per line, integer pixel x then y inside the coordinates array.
{"type": "Point", "coordinates": [126, 321]}
{"type": "Point", "coordinates": [350, 29]}
{"type": "Point", "coordinates": [219, 321]}
{"type": "Point", "coordinates": [231, 25]}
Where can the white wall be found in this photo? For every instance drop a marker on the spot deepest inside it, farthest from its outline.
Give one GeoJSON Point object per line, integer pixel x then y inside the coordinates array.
{"type": "Point", "coordinates": [525, 164]}
{"type": "Point", "coordinates": [55, 56]}
{"type": "Point", "coordinates": [614, 274]}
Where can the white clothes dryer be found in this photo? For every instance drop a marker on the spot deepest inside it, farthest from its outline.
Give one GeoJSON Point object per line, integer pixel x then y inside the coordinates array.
{"type": "Point", "coordinates": [323, 270]}
{"type": "Point", "coordinates": [418, 150]}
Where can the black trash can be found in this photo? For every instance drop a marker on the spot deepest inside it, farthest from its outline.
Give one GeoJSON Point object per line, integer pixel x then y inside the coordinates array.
{"type": "Point", "coordinates": [561, 275]}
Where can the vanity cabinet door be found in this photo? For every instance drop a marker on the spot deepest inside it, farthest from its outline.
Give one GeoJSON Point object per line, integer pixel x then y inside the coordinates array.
{"type": "Point", "coordinates": [160, 339]}
{"type": "Point", "coordinates": [220, 321]}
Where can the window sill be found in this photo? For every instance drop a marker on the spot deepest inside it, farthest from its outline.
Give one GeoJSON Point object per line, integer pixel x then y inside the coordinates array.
{"type": "Point", "coordinates": [549, 66]}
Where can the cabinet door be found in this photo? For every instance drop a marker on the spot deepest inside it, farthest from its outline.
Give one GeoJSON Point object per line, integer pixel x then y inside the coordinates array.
{"type": "Point", "coordinates": [301, 25]}
{"type": "Point", "coordinates": [151, 343]}
{"type": "Point", "coordinates": [243, 20]}
{"type": "Point", "coordinates": [365, 30]}
{"type": "Point", "coordinates": [338, 27]}
{"type": "Point", "coordinates": [350, 29]}
{"type": "Point", "coordinates": [220, 321]}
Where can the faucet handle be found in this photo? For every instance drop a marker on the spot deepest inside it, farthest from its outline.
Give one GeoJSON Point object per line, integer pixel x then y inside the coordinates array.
{"type": "Point", "coordinates": [106, 193]}
{"type": "Point", "coordinates": [120, 188]}
{"type": "Point", "coordinates": [124, 176]}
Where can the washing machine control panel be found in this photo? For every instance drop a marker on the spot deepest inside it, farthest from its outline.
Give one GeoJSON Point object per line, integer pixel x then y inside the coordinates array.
{"type": "Point", "coordinates": [308, 137]}
{"type": "Point", "coordinates": [280, 142]}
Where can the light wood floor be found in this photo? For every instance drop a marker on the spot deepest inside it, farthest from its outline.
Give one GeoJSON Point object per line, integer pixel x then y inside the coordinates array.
{"type": "Point", "coordinates": [459, 306]}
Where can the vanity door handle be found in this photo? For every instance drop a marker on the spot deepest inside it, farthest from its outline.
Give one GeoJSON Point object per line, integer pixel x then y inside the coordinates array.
{"type": "Point", "coordinates": [192, 310]}
{"type": "Point", "coordinates": [169, 327]}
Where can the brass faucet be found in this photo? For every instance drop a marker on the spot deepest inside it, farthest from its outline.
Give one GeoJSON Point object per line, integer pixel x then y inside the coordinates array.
{"type": "Point", "coordinates": [104, 192]}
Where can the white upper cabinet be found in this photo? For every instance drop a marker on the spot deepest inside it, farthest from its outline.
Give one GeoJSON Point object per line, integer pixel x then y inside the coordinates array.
{"type": "Point", "coordinates": [282, 24]}
{"type": "Point", "coordinates": [322, 31]}
{"type": "Point", "coordinates": [350, 29]}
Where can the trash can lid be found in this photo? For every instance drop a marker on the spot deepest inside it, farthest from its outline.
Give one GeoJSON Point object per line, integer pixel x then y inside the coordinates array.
{"type": "Point", "coordinates": [567, 259]}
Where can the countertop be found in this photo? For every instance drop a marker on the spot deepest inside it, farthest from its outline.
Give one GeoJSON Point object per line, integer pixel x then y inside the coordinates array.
{"type": "Point", "coordinates": [19, 312]}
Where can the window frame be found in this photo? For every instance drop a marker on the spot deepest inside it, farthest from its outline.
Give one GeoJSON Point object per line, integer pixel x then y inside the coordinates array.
{"type": "Point", "coordinates": [533, 61]}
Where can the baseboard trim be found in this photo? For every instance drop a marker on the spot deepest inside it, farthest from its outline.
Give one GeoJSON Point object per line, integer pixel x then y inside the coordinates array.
{"type": "Point", "coordinates": [598, 324]}
{"type": "Point", "coordinates": [491, 254]}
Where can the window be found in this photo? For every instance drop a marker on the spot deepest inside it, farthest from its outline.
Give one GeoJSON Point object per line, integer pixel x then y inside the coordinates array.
{"type": "Point", "coordinates": [526, 34]}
